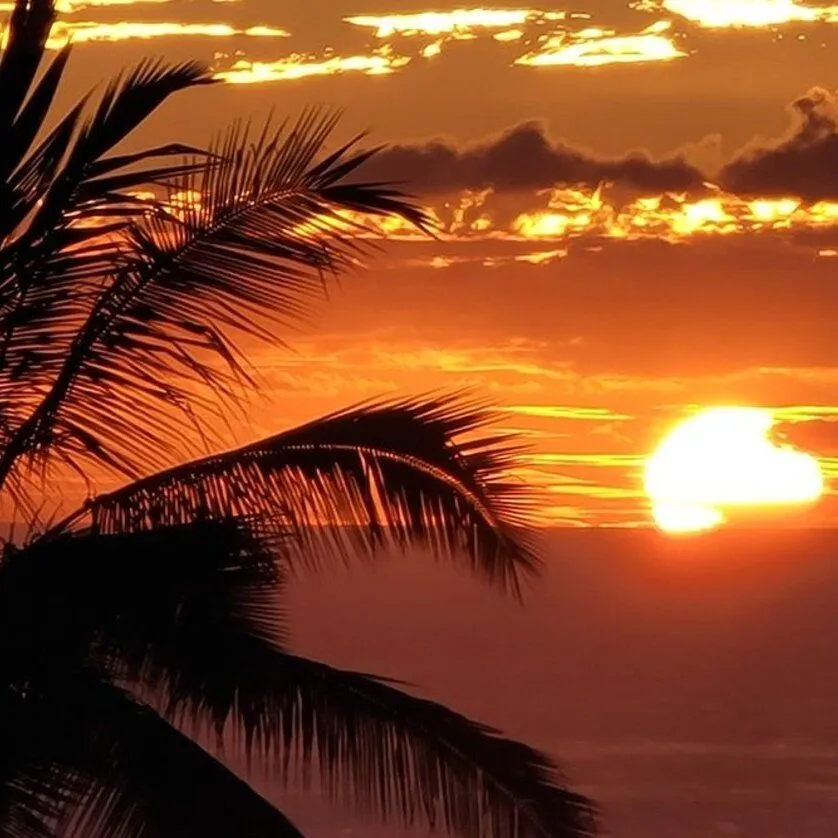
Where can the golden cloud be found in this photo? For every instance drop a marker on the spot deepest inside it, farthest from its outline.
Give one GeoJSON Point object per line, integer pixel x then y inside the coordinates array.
{"type": "Point", "coordinates": [568, 214]}
{"type": "Point", "coordinates": [555, 38]}
{"type": "Point", "coordinates": [720, 14]}
{"type": "Point", "coordinates": [550, 411]}
{"type": "Point", "coordinates": [88, 31]}
{"type": "Point", "coordinates": [454, 23]}
{"type": "Point", "coordinates": [589, 217]}
{"type": "Point", "coordinates": [595, 47]}
{"type": "Point", "coordinates": [73, 6]}
{"type": "Point", "coordinates": [804, 413]}
{"type": "Point", "coordinates": [546, 38]}
{"type": "Point", "coordinates": [297, 66]}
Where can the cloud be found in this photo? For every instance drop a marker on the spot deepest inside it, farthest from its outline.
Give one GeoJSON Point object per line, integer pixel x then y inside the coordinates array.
{"type": "Point", "coordinates": [806, 413]}
{"type": "Point", "coordinates": [815, 435]}
{"type": "Point", "coordinates": [550, 411]}
{"type": "Point", "coordinates": [758, 14]}
{"type": "Point", "coordinates": [524, 158]}
{"type": "Point", "coordinates": [295, 66]}
{"type": "Point", "coordinates": [597, 460]}
{"type": "Point", "coordinates": [801, 163]}
{"type": "Point", "coordinates": [82, 31]}
{"type": "Point", "coordinates": [458, 22]}
{"type": "Point", "coordinates": [596, 47]}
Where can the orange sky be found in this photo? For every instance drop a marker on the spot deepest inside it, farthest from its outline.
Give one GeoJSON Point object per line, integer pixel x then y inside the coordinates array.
{"type": "Point", "coordinates": [640, 212]}
{"type": "Point", "coordinates": [639, 204]}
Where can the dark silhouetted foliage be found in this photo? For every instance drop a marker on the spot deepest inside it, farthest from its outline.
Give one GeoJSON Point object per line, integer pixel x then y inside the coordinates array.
{"type": "Point", "coordinates": [146, 629]}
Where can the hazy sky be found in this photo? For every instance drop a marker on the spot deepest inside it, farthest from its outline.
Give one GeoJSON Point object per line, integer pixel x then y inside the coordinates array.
{"type": "Point", "coordinates": [638, 203]}
{"type": "Point", "coordinates": [689, 687]}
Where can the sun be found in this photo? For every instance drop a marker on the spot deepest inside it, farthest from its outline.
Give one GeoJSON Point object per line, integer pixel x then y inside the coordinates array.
{"type": "Point", "coordinates": [723, 460]}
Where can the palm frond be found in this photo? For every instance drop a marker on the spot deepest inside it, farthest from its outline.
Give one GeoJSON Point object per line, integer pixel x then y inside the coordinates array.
{"type": "Point", "coordinates": [402, 472]}
{"type": "Point", "coordinates": [405, 759]}
{"type": "Point", "coordinates": [65, 203]}
{"type": "Point", "coordinates": [260, 227]}
{"type": "Point", "coordinates": [90, 761]}
{"type": "Point", "coordinates": [80, 610]}
{"type": "Point", "coordinates": [119, 322]}
{"type": "Point", "coordinates": [190, 614]}
{"type": "Point", "coordinates": [109, 601]}
{"type": "Point", "coordinates": [69, 176]}
{"type": "Point", "coordinates": [153, 780]}
{"type": "Point", "coordinates": [28, 123]}
{"type": "Point", "coordinates": [71, 179]}
{"type": "Point", "coordinates": [34, 791]}
{"type": "Point", "coordinates": [26, 35]}
{"type": "Point", "coordinates": [400, 757]}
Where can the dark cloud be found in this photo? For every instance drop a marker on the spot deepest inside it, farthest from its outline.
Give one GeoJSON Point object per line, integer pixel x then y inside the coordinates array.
{"type": "Point", "coordinates": [817, 436]}
{"type": "Point", "coordinates": [803, 163]}
{"type": "Point", "coordinates": [523, 158]}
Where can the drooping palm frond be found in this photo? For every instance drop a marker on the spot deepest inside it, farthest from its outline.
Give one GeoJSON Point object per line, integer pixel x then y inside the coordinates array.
{"type": "Point", "coordinates": [404, 759]}
{"type": "Point", "coordinates": [400, 757]}
{"type": "Point", "coordinates": [77, 612]}
{"type": "Point", "coordinates": [261, 225]}
{"type": "Point", "coordinates": [34, 791]}
{"type": "Point", "coordinates": [398, 472]}
{"type": "Point", "coordinates": [109, 601]}
{"type": "Point", "coordinates": [121, 771]}
{"type": "Point", "coordinates": [191, 614]}
{"type": "Point", "coordinates": [155, 781]}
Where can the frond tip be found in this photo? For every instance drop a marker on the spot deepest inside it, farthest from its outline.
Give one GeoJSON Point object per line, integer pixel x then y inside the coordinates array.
{"type": "Point", "coordinates": [405, 759]}
{"type": "Point", "coordinates": [124, 771]}
{"type": "Point", "coordinates": [402, 472]}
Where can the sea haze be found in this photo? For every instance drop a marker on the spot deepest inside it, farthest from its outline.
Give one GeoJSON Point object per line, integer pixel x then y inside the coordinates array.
{"type": "Point", "coordinates": [688, 685]}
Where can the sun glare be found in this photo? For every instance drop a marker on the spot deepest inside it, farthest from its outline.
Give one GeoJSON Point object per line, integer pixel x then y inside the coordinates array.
{"type": "Point", "coordinates": [722, 461]}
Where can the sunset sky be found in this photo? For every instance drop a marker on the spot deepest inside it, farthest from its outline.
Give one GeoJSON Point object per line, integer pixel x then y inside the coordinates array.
{"type": "Point", "coordinates": [638, 205]}
{"type": "Point", "coordinates": [638, 202]}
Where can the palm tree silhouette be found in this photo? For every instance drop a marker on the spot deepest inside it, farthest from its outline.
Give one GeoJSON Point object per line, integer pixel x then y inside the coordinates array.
{"type": "Point", "coordinates": [148, 625]}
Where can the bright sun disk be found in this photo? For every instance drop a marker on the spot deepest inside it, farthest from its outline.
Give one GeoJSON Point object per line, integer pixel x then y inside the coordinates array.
{"type": "Point", "coordinates": [723, 459]}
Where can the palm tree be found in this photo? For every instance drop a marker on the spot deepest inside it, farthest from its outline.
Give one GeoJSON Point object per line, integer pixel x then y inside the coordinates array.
{"type": "Point", "coordinates": [142, 638]}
